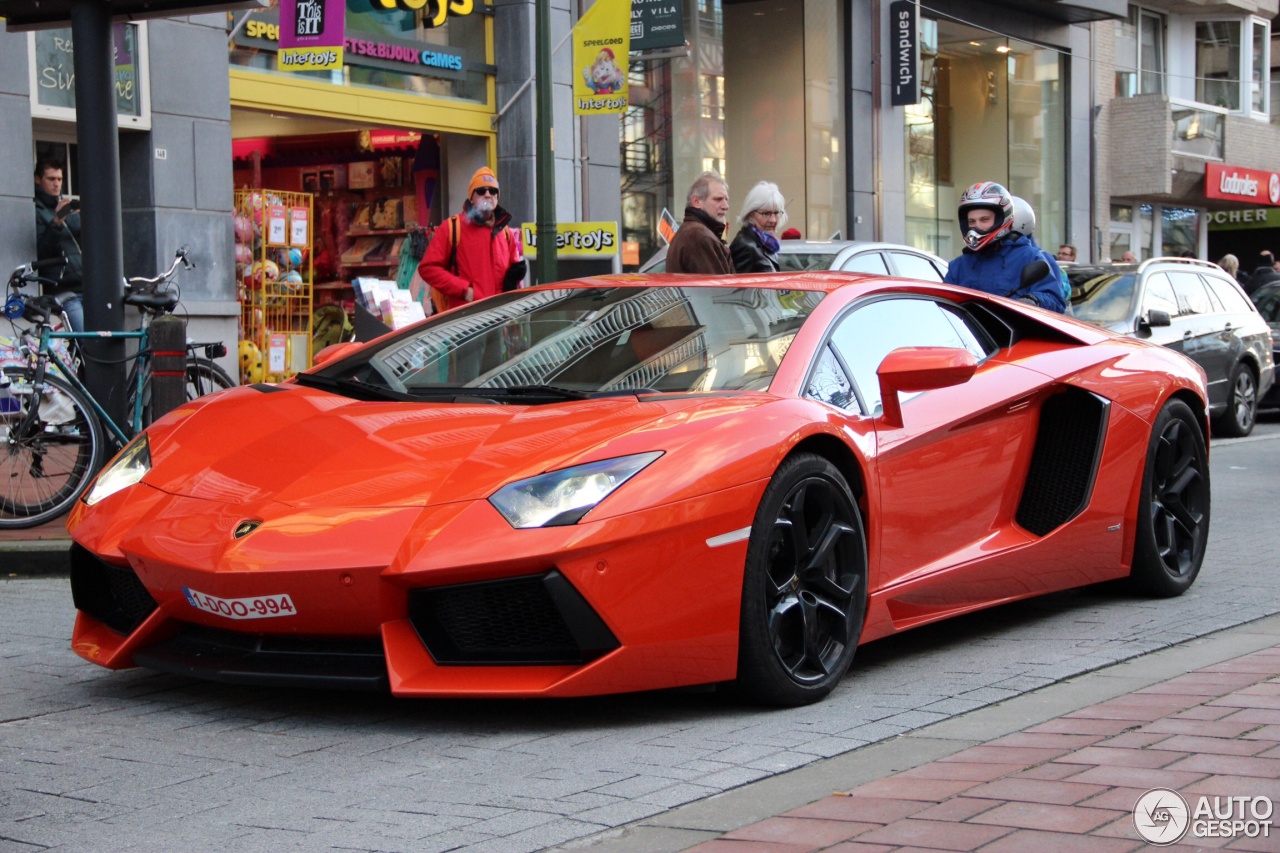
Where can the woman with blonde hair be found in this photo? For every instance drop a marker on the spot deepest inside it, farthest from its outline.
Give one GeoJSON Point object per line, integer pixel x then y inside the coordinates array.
{"type": "Point", "coordinates": [764, 211]}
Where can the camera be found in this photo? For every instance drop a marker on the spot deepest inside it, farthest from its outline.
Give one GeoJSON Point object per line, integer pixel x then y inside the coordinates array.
{"type": "Point", "coordinates": [73, 202]}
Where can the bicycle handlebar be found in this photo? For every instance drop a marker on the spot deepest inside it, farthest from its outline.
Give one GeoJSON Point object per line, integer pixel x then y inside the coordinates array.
{"type": "Point", "coordinates": [180, 257]}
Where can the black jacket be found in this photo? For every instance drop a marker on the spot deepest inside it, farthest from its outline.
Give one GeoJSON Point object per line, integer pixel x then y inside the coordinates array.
{"type": "Point", "coordinates": [55, 241]}
{"type": "Point", "coordinates": [749, 254]}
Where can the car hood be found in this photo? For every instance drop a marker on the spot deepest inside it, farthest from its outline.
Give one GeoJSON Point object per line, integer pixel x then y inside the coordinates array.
{"type": "Point", "coordinates": [308, 448]}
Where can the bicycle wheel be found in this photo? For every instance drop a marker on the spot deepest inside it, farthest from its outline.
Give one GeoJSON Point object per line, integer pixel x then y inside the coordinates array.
{"type": "Point", "coordinates": [53, 445]}
{"type": "Point", "coordinates": [204, 376]}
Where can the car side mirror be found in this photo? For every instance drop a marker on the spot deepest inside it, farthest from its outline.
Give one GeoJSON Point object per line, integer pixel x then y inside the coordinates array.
{"type": "Point", "coordinates": [1156, 317]}
{"type": "Point", "coordinates": [1034, 271]}
{"type": "Point", "coordinates": [333, 352]}
{"type": "Point", "coordinates": [920, 369]}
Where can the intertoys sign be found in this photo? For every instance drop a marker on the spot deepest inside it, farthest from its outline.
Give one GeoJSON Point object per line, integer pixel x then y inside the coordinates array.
{"type": "Point", "coordinates": [311, 34]}
{"type": "Point", "coordinates": [1235, 183]}
{"type": "Point", "coordinates": [438, 11]}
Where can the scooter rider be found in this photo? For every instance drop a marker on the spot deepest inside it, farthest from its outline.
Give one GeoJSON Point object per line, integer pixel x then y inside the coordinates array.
{"type": "Point", "coordinates": [995, 255]}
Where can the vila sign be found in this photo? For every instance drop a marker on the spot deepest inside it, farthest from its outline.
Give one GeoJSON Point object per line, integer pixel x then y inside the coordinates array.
{"type": "Point", "coordinates": [904, 65]}
{"type": "Point", "coordinates": [1237, 184]}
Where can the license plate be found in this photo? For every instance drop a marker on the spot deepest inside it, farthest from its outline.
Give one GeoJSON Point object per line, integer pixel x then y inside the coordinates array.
{"type": "Point", "coordinates": [258, 607]}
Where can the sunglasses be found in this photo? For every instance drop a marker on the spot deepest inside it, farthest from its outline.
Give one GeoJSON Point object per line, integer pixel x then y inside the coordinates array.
{"type": "Point", "coordinates": [486, 191]}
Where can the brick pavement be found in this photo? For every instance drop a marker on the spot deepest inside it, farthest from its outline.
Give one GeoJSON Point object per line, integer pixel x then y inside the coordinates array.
{"type": "Point", "coordinates": [1064, 785]}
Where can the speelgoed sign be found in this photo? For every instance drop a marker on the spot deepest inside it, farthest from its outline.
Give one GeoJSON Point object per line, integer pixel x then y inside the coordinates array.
{"type": "Point", "coordinates": [1236, 183]}
{"type": "Point", "coordinates": [656, 23]}
{"type": "Point", "coordinates": [904, 63]}
{"type": "Point", "coordinates": [262, 31]}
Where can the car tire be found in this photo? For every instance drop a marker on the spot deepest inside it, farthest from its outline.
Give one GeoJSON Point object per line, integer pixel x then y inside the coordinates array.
{"type": "Point", "coordinates": [1242, 403]}
{"type": "Point", "coordinates": [804, 593]}
{"type": "Point", "coordinates": [1173, 513]}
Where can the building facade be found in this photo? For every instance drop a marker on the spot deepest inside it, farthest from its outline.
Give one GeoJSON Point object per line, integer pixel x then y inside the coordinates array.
{"type": "Point", "coordinates": [1188, 130]}
{"type": "Point", "coordinates": [175, 151]}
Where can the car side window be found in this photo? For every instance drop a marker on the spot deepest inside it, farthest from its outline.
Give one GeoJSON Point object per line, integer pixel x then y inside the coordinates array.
{"type": "Point", "coordinates": [914, 266]}
{"type": "Point", "coordinates": [866, 262]}
{"type": "Point", "coordinates": [864, 337]}
{"type": "Point", "coordinates": [1192, 297]}
{"type": "Point", "coordinates": [1268, 301]}
{"type": "Point", "coordinates": [1229, 295]}
{"type": "Point", "coordinates": [830, 384]}
{"type": "Point", "coordinates": [1159, 296]}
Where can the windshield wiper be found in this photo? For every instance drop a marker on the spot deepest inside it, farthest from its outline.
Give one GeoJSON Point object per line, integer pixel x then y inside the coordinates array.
{"type": "Point", "coordinates": [353, 388]}
{"type": "Point", "coordinates": [533, 391]}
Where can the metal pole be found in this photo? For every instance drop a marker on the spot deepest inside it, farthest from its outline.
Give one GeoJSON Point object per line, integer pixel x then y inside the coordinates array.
{"type": "Point", "coordinates": [98, 180]}
{"type": "Point", "coordinates": [546, 181]}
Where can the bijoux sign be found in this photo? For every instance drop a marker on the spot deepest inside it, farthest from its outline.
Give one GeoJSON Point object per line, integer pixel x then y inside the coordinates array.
{"type": "Point", "coordinates": [1236, 183]}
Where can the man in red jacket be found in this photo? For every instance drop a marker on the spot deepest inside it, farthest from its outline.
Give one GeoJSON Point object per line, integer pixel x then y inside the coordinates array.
{"type": "Point", "coordinates": [474, 254]}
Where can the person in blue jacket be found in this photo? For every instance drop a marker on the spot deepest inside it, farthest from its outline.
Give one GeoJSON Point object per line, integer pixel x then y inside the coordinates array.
{"type": "Point", "coordinates": [995, 255]}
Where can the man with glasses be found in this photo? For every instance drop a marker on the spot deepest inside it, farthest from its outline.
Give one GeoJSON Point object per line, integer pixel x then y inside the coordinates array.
{"type": "Point", "coordinates": [474, 254]}
{"type": "Point", "coordinates": [698, 246]}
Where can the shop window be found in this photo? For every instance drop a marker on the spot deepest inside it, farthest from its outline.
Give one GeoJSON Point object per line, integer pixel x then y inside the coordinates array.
{"type": "Point", "coordinates": [1140, 54]}
{"type": "Point", "coordinates": [1232, 64]}
{"type": "Point", "coordinates": [52, 72]}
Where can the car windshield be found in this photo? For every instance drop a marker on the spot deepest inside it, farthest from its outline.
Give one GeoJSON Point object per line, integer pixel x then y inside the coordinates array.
{"type": "Point", "coordinates": [1102, 299]}
{"type": "Point", "coordinates": [558, 343]}
{"type": "Point", "coordinates": [799, 261]}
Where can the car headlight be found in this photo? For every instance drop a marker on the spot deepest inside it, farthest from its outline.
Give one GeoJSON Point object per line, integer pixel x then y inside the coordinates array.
{"type": "Point", "coordinates": [563, 497]}
{"type": "Point", "coordinates": [127, 469]}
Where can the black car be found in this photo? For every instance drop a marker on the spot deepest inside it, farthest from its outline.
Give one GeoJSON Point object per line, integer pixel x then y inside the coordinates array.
{"type": "Point", "coordinates": [1195, 308]}
{"type": "Point", "coordinates": [1267, 300]}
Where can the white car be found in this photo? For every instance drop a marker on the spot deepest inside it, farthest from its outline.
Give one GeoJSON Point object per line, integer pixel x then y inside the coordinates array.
{"type": "Point", "coordinates": [845, 255]}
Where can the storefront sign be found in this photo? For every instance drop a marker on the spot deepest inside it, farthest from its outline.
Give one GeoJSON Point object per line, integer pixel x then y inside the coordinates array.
{"type": "Point", "coordinates": [438, 11]}
{"type": "Point", "coordinates": [262, 32]}
{"type": "Point", "coordinates": [575, 239]}
{"type": "Point", "coordinates": [55, 75]}
{"type": "Point", "coordinates": [311, 34]}
{"type": "Point", "coordinates": [1239, 184]}
{"type": "Point", "coordinates": [904, 63]}
{"type": "Point", "coordinates": [656, 23]}
{"type": "Point", "coordinates": [1244, 220]}
{"type": "Point", "coordinates": [601, 44]}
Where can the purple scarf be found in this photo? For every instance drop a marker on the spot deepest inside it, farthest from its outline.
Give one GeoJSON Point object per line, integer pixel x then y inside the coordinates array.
{"type": "Point", "coordinates": [767, 240]}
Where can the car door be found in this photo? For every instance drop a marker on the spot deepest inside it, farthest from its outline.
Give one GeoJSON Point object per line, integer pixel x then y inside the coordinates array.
{"type": "Point", "coordinates": [946, 478]}
{"type": "Point", "coordinates": [1200, 325]}
{"type": "Point", "coordinates": [1157, 295]}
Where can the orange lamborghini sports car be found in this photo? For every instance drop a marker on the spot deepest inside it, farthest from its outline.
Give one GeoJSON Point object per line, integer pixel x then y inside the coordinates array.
{"type": "Point", "coordinates": [628, 483]}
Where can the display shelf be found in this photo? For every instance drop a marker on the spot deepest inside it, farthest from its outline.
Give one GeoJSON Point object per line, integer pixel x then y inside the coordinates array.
{"type": "Point", "coordinates": [333, 285]}
{"type": "Point", "coordinates": [377, 232]}
{"type": "Point", "coordinates": [372, 264]}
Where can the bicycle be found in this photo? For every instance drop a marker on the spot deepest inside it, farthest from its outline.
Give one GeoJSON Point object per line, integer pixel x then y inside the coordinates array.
{"type": "Point", "coordinates": [55, 431]}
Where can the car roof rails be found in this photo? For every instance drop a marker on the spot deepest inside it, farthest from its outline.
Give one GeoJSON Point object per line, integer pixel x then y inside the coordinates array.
{"type": "Point", "coordinates": [1195, 262]}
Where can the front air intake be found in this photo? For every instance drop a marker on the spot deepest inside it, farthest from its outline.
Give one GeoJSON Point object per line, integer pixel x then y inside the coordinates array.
{"type": "Point", "coordinates": [111, 594]}
{"type": "Point", "coordinates": [540, 619]}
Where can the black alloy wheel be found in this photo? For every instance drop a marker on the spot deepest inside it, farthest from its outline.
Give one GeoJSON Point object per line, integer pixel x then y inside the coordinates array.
{"type": "Point", "coordinates": [1242, 403]}
{"type": "Point", "coordinates": [805, 586]}
{"type": "Point", "coordinates": [1173, 516]}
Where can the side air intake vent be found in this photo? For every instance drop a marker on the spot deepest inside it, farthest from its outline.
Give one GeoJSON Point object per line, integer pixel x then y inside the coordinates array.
{"type": "Point", "coordinates": [1065, 460]}
{"type": "Point", "coordinates": [111, 594]}
{"type": "Point", "coordinates": [529, 620]}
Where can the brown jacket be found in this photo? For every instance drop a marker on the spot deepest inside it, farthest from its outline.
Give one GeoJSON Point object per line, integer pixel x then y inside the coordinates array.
{"type": "Point", "coordinates": [698, 246]}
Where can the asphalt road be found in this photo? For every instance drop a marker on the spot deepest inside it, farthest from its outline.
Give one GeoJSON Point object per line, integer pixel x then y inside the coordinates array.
{"type": "Point", "coordinates": [92, 760]}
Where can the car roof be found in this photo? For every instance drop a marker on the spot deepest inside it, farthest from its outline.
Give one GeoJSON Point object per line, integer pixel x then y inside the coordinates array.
{"type": "Point", "coordinates": [828, 247]}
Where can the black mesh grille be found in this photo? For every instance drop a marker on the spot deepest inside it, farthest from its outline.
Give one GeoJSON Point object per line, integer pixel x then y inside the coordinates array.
{"type": "Point", "coordinates": [197, 651]}
{"type": "Point", "coordinates": [532, 620]}
{"type": "Point", "coordinates": [1063, 465]}
{"type": "Point", "coordinates": [111, 594]}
